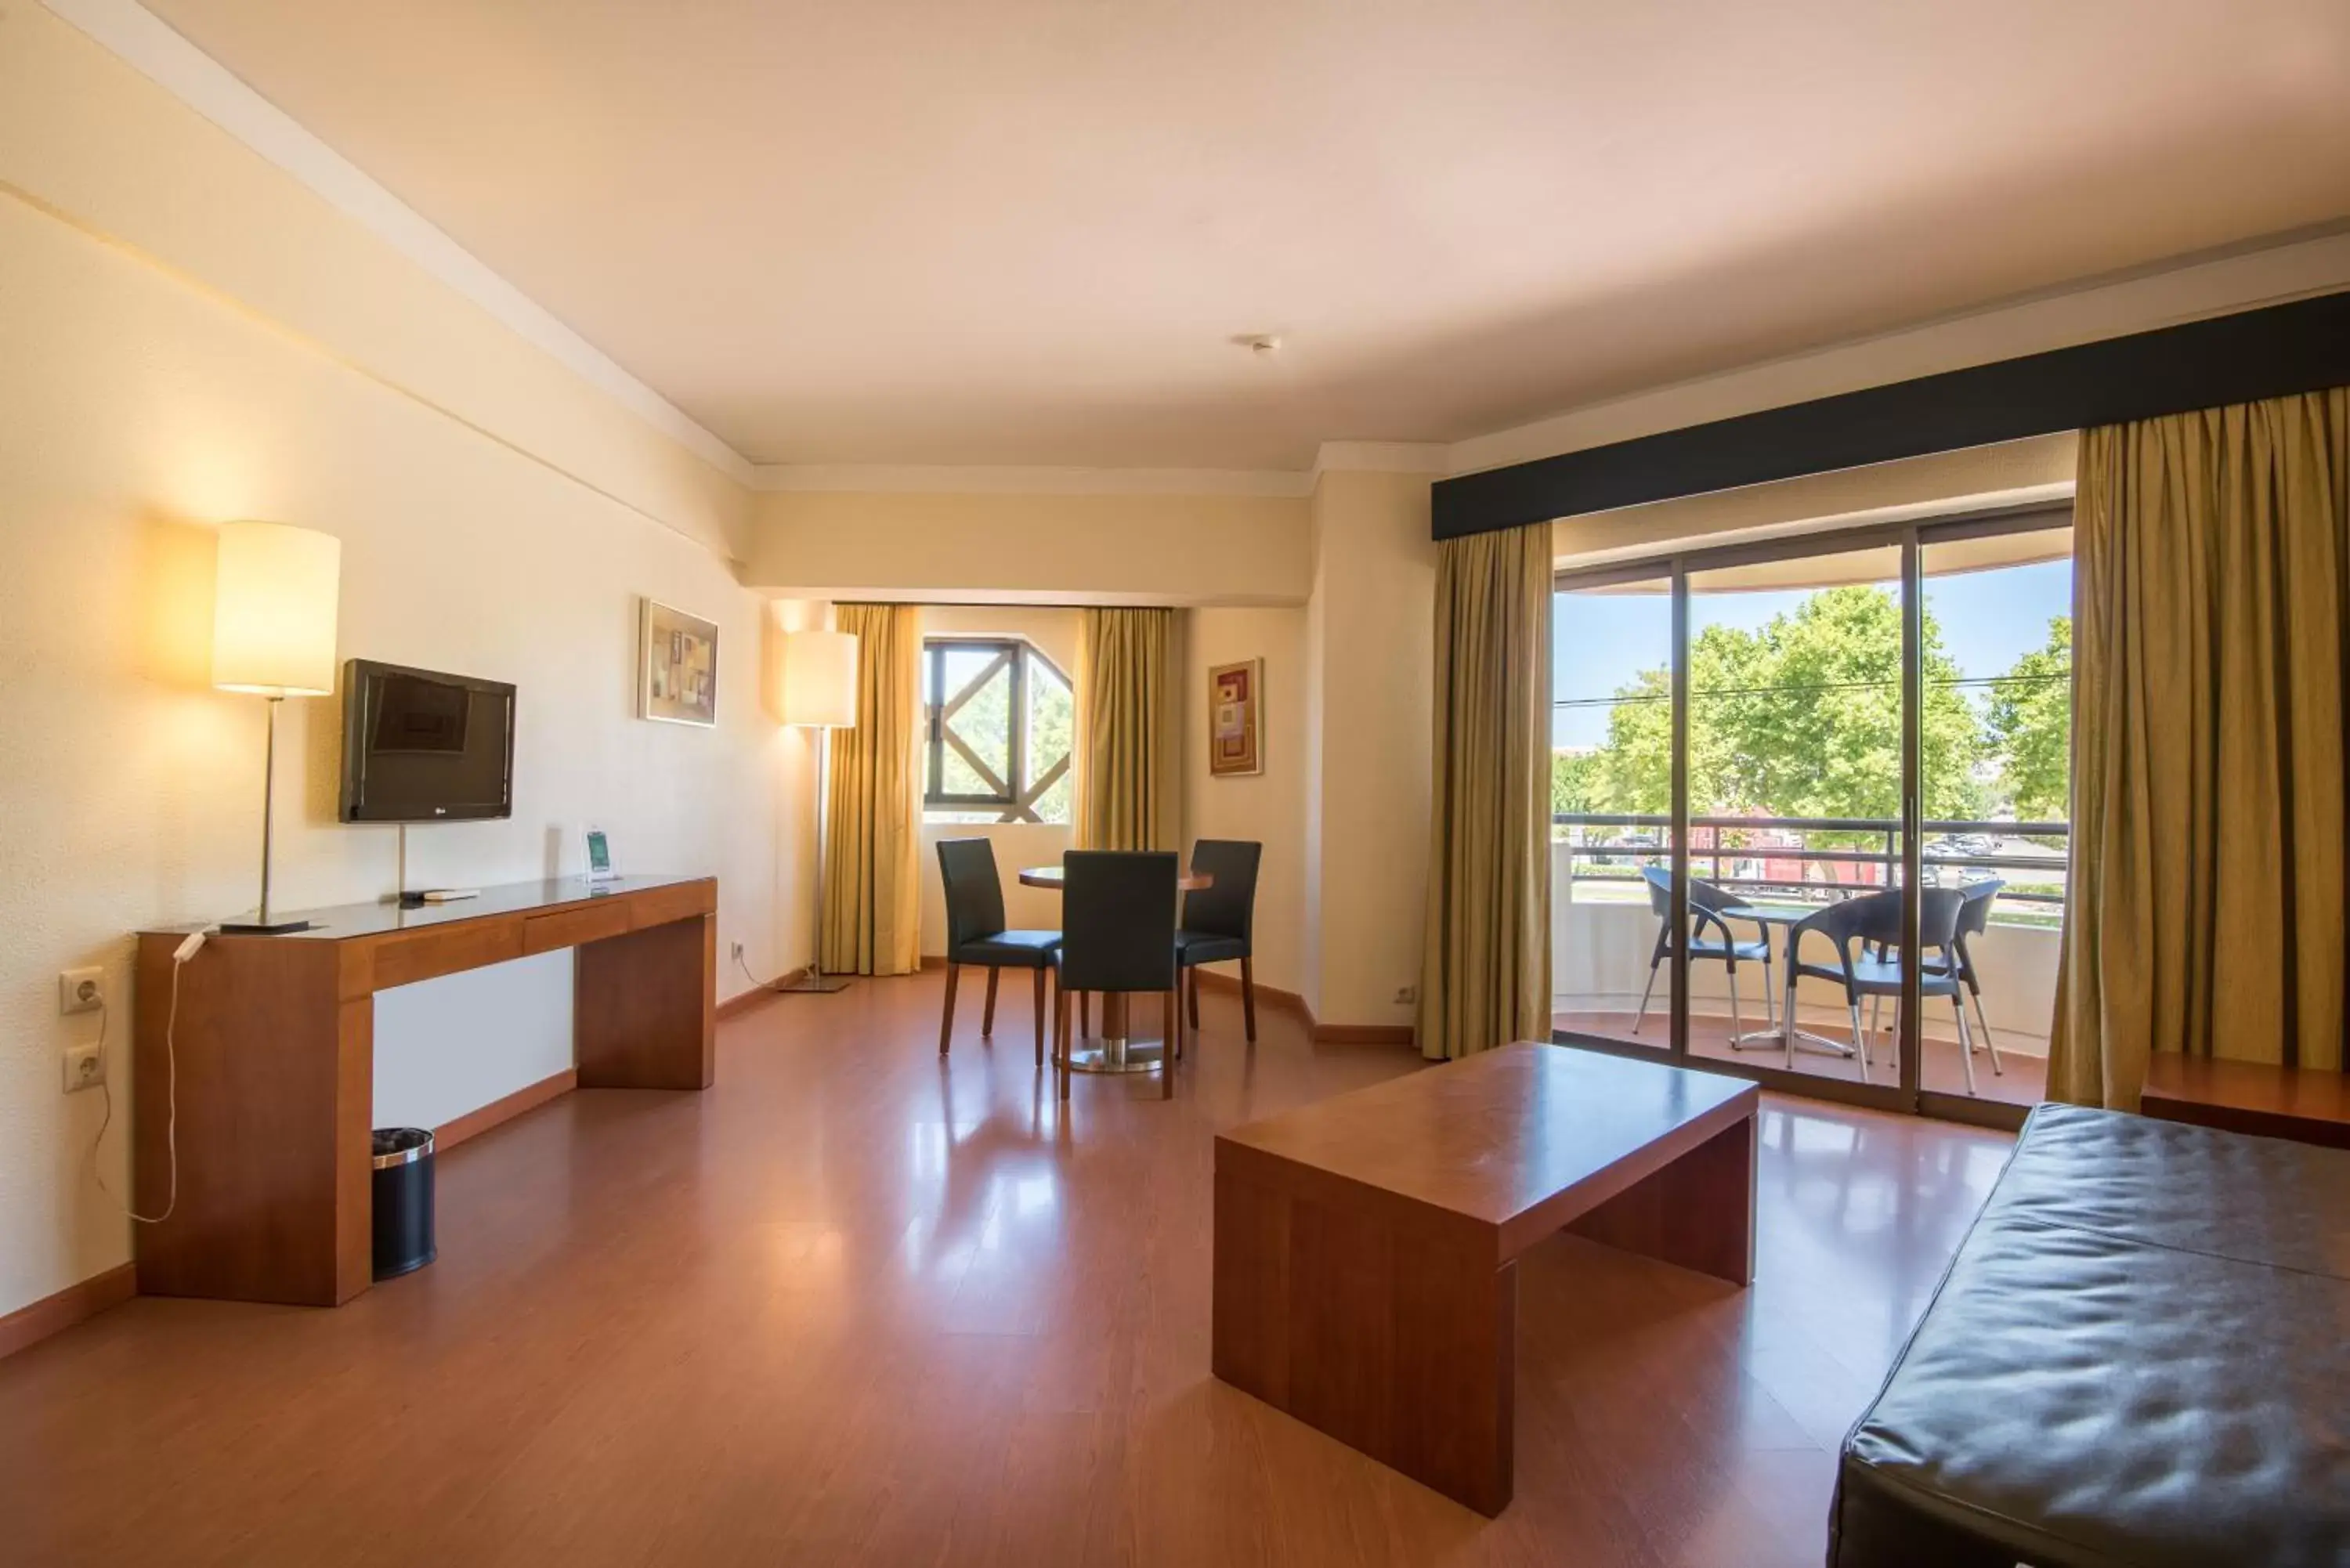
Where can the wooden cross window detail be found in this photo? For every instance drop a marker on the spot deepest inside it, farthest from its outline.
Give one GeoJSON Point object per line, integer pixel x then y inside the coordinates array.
{"type": "Point", "coordinates": [998, 719]}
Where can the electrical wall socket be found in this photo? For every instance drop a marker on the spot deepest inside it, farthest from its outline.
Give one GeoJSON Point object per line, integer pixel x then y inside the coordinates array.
{"type": "Point", "coordinates": [1406, 996]}
{"type": "Point", "coordinates": [84, 1067]}
{"type": "Point", "coordinates": [738, 951]}
{"type": "Point", "coordinates": [81, 990]}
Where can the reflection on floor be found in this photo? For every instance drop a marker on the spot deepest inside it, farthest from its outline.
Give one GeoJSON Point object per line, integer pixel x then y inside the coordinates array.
{"type": "Point", "coordinates": [2023, 1081]}
{"type": "Point", "coordinates": [857, 1304]}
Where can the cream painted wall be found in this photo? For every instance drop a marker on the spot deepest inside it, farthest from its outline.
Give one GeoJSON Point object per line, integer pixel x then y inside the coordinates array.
{"type": "Point", "coordinates": [1054, 630]}
{"type": "Point", "coordinates": [1269, 807]}
{"type": "Point", "coordinates": [139, 404]}
{"type": "Point", "coordinates": [1032, 549]}
{"type": "Point", "coordinates": [1371, 631]}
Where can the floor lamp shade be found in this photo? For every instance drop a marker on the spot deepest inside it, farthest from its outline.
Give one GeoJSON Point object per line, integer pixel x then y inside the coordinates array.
{"type": "Point", "coordinates": [274, 600]}
{"type": "Point", "coordinates": [820, 679]}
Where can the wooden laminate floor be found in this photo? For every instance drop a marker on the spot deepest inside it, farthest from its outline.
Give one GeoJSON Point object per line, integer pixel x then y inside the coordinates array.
{"type": "Point", "coordinates": [855, 1306]}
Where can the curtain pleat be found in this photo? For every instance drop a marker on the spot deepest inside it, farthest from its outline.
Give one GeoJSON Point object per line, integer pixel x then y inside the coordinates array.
{"type": "Point", "coordinates": [1485, 978]}
{"type": "Point", "coordinates": [2211, 637]}
{"type": "Point", "coordinates": [1128, 746]}
{"type": "Point", "coordinates": [872, 890]}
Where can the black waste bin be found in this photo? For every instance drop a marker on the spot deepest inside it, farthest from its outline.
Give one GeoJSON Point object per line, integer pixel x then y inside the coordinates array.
{"type": "Point", "coordinates": [403, 1201]}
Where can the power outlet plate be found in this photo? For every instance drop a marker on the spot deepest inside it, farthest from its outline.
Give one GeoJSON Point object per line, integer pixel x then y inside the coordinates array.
{"type": "Point", "coordinates": [84, 1067]}
{"type": "Point", "coordinates": [80, 989]}
{"type": "Point", "coordinates": [1406, 996]}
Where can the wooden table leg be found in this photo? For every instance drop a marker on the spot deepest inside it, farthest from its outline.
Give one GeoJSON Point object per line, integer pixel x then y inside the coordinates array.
{"type": "Point", "coordinates": [1394, 1333]}
{"type": "Point", "coordinates": [644, 1011]}
{"type": "Point", "coordinates": [1697, 1212]}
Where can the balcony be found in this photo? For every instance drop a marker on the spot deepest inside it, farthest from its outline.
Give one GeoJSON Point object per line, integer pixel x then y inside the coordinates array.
{"type": "Point", "coordinates": [1604, 932]}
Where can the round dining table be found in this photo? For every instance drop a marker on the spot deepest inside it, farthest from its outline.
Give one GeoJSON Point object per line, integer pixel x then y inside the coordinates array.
{"type": "Point", "coordinates": [1783, 917]}
{"type": "Point", "coordinates": [1115, 1053]}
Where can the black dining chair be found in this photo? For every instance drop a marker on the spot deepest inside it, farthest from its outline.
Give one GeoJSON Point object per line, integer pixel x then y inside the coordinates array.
{"type": "Point", "coordinates": [1217, 920]}
{"type": "Point", "coordinates": [1707, 902]}
{"type": "Point", "coordinates": [1117, 908]}
{"type": "Point", "coordinates": [1867, 934]}
{"type": "Point", "coordinates": [975, 934]}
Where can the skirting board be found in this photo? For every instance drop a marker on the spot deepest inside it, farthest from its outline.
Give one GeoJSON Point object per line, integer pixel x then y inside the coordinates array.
{"type": "Point", "coordinates": [745, 1001]}
{"type": "Point", "coordinates": [28, 1325]}
{"type": "Point", "coordinates": [1320, 1034]}
{"type": "Point", "coordinates": [529, 1097]}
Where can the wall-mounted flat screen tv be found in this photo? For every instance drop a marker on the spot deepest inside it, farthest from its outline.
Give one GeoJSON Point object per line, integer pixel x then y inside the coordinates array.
{"type": "Point", "coordinates": [422, 746]}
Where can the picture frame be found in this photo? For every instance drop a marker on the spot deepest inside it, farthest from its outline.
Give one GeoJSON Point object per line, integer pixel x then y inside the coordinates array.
{"type": "Point", "coordinates": [1236, 719]}
{"type": "Point", "coordinates": [677, 666]}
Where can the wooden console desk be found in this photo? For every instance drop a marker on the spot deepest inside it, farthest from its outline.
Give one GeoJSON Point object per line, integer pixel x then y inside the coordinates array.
{"type": "Point", "coordinates": [275, 1053]}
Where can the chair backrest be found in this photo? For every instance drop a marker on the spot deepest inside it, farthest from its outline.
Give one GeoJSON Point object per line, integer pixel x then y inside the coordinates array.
{"type": "Point", "coordinates": [1706, 899]}
{"type": "Point", "coordinates": [1976, 912]}
{"type": "Point", "coordinates": [975, 893]}
{"type": "Point", "coordinates": [1227, 906]}
{"type": "Point", "coordinates": [1875, 919]}
{"type": "Point", "coordinates": [1117, 920]}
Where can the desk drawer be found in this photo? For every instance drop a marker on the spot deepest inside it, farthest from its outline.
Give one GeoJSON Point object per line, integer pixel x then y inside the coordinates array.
{"type": "Point", "coordinates": [660, 906]}
{"type": "Point", "coordinates": [421, 955]}
{"type": "Point", "coordinates": [570, 928]}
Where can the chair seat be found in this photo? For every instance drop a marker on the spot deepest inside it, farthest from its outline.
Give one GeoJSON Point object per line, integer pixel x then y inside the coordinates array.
{"type": "Point", "coordinates": [1208, 947]}
{"type": "Point", "coordinates": [1010, 950]}
{"type": "Point", "coordinates": [1752, 952]}
{"type": "Point", "coordinates": [1882, 977]}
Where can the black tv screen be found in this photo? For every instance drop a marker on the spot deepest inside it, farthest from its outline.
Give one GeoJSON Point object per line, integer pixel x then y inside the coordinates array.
{"type": "Point", "coordinates": [422, 746]}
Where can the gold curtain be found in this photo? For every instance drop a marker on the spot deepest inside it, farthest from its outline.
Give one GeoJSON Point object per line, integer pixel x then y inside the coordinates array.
{"type": "Point", "coordinates": [2211, 638]}
{"type": "Point", "coordinates": [872, 891]}
{"type": "Point", "coordinates": [1128, 746]}
{"type": "Point", "coordinates": [1485, 979]}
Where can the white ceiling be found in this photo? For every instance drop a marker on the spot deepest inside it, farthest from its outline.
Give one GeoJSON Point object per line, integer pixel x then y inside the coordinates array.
{"type": "Point", "coordinates": [1023, 232]}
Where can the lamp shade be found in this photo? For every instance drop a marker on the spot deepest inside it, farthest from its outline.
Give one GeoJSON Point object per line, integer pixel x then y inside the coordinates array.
{"type": "Point", "coordinates": [274, 599]}
{"type": "Point", "coordinates": [820, 679]}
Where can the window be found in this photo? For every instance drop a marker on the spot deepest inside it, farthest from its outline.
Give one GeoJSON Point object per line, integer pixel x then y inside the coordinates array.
{"type": "Point", "coordinates": [998, 717]}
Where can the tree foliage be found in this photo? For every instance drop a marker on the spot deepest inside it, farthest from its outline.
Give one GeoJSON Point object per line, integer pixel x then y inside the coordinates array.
{"type": "Point", "coordinates": [2030, 724]}
{"type": "Point", "coordinates": [1801, 718]}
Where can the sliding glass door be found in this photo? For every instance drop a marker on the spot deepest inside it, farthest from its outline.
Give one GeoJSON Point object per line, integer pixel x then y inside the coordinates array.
{"type": "Point", "coordinates": [1808, 808]}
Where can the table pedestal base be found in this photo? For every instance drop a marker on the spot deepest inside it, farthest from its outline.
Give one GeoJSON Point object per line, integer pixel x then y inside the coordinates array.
{"type": "Point", "coordinates": [1115, 1051]}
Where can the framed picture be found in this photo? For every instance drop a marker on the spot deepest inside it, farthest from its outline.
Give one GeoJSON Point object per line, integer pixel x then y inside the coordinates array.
{"type": "Point", "coordinates": [677, 666]}
{"type": "Point", "coordinates": [1235, 716]}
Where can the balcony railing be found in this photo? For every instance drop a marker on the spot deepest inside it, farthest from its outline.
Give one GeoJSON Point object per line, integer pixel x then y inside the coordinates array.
{"type": "Point", "coordinates": [1634, 839]}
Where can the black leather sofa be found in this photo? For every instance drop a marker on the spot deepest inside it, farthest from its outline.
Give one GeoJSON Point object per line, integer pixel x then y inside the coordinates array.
{"type": "Point", "coordinates": [2140, 1356]}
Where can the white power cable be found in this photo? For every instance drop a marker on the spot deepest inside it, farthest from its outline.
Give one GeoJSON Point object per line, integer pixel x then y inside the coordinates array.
{"type": "Point", "coordinates": [186, 950]}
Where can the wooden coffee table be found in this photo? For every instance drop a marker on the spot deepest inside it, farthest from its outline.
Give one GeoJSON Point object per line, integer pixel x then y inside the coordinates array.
{"type": "Point", "coordinates": [1367, 1246]}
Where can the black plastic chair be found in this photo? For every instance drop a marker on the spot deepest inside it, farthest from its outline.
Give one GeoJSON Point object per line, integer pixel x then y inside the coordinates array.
{"type": "Point", "coordinates": [1974, 916]}
{"type": "Point", "coordinates": [1867, 932]}
{"type": "Point", "coordinates": [1707, 902]}
{"type": "Point", "coordinates": [975, 934]}
{"type": "Point", "coordinates": [1218, 921]}
{"type": "Point", "coordinates": [1118, 909]}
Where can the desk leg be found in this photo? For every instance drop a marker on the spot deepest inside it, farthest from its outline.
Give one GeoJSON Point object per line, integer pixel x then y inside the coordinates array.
{"type": "Point", "coordinates": [644, 1007]}
{"type": "Point", "coordinates": [1697, 1212]}
{"type": "Point", "coordinates": [272, 1067]}
{"type": "Point", "coordinates": [1397, 1336]}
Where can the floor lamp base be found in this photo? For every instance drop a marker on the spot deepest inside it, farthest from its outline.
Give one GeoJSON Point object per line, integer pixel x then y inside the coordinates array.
{"type": "Point", "coordinates": [251, 928]}
{"type": "Point", "coordinates": [812, 983]}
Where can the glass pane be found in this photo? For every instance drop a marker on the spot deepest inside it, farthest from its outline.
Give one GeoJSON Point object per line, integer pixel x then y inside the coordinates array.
{"type": "Point", "coordinates": [1795, 756]}
{"type": "Point", "coordinates": [1997, 800]}
{"type": "Point", "coordinates": [1052, 720]}
{"type": "Point", "coordinates": [1611, 800]}
{"type": "Point", "coordinates": [978, 696]}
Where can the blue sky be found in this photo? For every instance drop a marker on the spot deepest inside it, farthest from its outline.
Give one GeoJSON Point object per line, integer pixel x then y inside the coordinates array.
{"type": "Point", "coordinates": [1988, 620]}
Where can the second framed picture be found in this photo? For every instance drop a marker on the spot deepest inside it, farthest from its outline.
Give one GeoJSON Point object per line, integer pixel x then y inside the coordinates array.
{"type": "Point", "coordinates": [1236, 719]}
{"type": "Point", "coordinates": [677, 666]}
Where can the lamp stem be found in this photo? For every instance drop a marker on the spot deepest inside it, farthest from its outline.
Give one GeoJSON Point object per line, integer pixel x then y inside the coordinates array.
{"type": "Point", "coordinates": [268, 803]}
{"type": "Point", "coordinates": [823, 816]}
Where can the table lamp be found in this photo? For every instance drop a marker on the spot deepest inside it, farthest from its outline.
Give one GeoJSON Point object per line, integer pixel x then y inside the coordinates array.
{"type": "Point", "coordinates": [820, 694]}
{"type": "Point", "coordinates": [274, 635]}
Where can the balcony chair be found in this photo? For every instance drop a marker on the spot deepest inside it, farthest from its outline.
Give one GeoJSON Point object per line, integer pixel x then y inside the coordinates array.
{"type": "Point", "coordinates": [975, 934]}
{"type": "Point", "coordinates": [1866, 933]}
{"type": "Point", "coordinates": [1119, 906]}
{"type": "Point", "coordinates": [1217, 920]}
{"type": "Point", "coordinates": [1974, 915]}
{"type": "Point", "coordinates": [1707, 902]}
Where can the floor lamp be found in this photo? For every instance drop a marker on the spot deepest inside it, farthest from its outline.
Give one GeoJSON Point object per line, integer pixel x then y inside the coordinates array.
{"type": "Point", "coordinates": [274, 593]}
{"type": "Point", "coordinates": [820, 694]}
